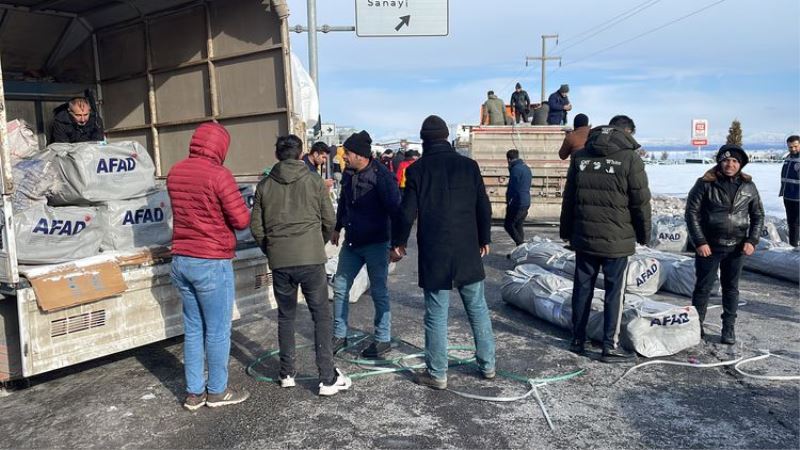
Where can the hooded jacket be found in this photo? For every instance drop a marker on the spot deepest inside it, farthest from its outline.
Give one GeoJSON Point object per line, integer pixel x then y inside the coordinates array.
{"type": "Point", "coordinates": [293, 216]}
{"type": "Point", "coordinates": [369, 204]}
{"type": "Point", "coordinates": [557, 115]}
{"type": "Point", "coordinates": [606, 202]}
{"type": "Point", "coordinates": [713, 218]}
{"type": "Point", "coordinates": [206, 203]}
{"type": "Point", "coordinates": [496, 110]}
{"type": "Point", "coordinates": [66, 130]}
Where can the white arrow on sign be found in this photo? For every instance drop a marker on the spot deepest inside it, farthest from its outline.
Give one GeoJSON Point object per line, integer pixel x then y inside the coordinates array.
{"type": "Point", "coordinates": [387, 18]}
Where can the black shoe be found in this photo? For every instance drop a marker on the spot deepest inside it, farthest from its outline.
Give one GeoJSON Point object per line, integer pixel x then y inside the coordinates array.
{"type": "Point", "coordinates": [376, 349]}
{"type": "Point", "coordinates": [338, 344]}
{"type": "Point", "coordinates": [617, 355]}
{"type": "Point", "coordinates": [577, 346]}
{"type": "Point", "coordinates": [728, 335]}
{"type": "Point", "coordinates": [424, 378]}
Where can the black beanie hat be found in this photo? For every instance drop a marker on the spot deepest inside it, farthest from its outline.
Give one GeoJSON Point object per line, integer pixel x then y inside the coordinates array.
{"type": "Point", "coordinates": [564, 88]}
{"type": "Point", "coordinates": [518, 86]}
{"type": "Point", "coordinates": [732, 151]}
{"type": "Point", "coordinates": [359, 143]}
{"type": "Point", "coordinates": [433, 129]}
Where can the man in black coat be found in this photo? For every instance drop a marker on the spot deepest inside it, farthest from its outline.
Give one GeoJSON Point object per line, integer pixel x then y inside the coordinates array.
{"type": "Point", "coordinates": [605, 211]}
{"type": "Point", "coordinates": [520, 103]}
{"type": "Point", "coordinates": [725, 217]}
{"type": "Point", "coordinates": [445, 193]}
{"type": "Point", "coordinates": [559, 106]}
{"type": "Point", "coordinates": [76, 122]}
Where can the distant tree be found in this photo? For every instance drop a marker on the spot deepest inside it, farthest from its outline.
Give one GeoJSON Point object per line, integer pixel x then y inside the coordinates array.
{"type": "Point", "coordinates": [664, 156]}
{"type": "Point", "coordinates": [735, 133]}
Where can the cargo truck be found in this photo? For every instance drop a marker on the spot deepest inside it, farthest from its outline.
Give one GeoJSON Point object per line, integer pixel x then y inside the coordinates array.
{"type": "Point", "coordinates": [157, 69]}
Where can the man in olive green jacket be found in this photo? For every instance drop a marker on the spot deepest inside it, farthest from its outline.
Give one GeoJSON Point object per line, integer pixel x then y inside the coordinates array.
{"type": "Point", "coordinates": [494, 111]}
{"type": "Point", "coordinates": [291, 221]}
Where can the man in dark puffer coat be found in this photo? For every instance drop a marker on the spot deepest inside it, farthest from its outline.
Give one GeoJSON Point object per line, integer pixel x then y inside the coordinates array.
{"type": "Point", "coordinates": [725, 217]}
{"type": "Point", "coordinates": [605, 211]}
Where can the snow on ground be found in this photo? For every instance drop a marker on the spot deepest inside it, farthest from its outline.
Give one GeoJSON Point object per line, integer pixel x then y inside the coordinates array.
{"type": "Point", "coordinates": [678, 179]}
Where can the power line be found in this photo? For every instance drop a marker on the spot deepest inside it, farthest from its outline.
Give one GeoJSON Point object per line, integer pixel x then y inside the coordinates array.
{"type": "Point", "coordinates": [589, 30]}
{"type": "Point", "coordinates": [645, 33]}
{"type": "Point", "coordinates": [611, 24]}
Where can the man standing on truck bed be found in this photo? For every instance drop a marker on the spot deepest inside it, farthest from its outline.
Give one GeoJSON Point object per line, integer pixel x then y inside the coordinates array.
{"type": "Point", "coordinates": [292, 220]}
{"type": "Point", "coordinates": [520, 104]}
{"type": "Point", "coordinates": [206, 207]}
{"type": "Point", "coordinates": [494, 111]}
{"type": "Point", "coordinates": [559, 105]}
{"type": "Point", "coordinates": [75, 121]}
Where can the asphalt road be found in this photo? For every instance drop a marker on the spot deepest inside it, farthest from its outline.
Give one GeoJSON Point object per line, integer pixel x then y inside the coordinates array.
{"type": "Point", "coordinates": [132, 400]}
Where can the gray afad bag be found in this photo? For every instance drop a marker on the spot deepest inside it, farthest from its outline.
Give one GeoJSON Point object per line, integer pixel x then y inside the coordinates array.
{"type": "Point", "coordinates": [650, 328]}
{"type": "Point", "coordinates": [140, 222]}
{"type": "Point", "coordinates": [677, 274]}
{"type": "Point", "coordinates": [96, 172]}
{"type": "Point", "coordinates": [669, 234]}
{"type": "Point", "coordinates": [48, 234]}
{"type": "Point", "coordinates": [776, 260]}
{"type": "Point", "coordinates": [642, 272]}
{"type": "Point", "coordinates": [248, 192]}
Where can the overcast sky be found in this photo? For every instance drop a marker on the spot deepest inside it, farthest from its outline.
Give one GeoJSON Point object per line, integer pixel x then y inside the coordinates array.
{"type": "Point", "coordinates": [737, 59]}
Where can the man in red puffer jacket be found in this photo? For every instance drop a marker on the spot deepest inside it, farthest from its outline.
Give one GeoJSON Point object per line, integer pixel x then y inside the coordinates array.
{"type": "Point", "coordinates": [206, 208]}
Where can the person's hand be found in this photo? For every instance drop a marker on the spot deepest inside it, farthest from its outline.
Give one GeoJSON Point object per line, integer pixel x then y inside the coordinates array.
{"type": "Point", "coordinates": [704, 251]}
{"type": "Point", "coordinates": [485, 250]}
{"type": "Point", "coordinates": [748, 249]}
{"type": "Point", "coordinates": [397, 253]}
{"type": "Point", "coordinates": [568, 107]}
{"type": "Point", "coordinates": [335, 238]}
{"type": "Point", "coordinates": [329, 183]}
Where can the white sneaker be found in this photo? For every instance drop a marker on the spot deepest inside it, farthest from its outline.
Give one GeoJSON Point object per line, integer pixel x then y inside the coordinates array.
{"type": "Point", "coordinates": [288, 381]}
{"type": "Point", "coordinates": [342, 383]}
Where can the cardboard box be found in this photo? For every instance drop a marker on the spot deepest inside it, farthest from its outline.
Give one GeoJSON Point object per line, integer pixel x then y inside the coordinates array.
{"type": "Point", "coordinates": [71, 285]}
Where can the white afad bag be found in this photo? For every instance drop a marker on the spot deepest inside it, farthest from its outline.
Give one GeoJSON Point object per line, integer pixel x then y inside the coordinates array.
{"type": "Point", "coordinates": [92, 172]}
{"type": "Point", "coordinates": [139, 222]}
{"type": "Point", "coordinates": [52, 235]}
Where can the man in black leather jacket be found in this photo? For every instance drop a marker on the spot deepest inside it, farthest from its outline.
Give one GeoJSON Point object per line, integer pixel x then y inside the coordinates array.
{"type": "Point", "coordinates": [724, 216]}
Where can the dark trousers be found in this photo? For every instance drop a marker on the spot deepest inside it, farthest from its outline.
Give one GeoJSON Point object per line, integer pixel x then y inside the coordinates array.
{"type": "Point", "coordinates": [514, 223]}
{"type": "Point", "coordinates": [523, 113]}
{"type": "Point", "coordinates": [729, 263]}
{"type": "Point", "coordinates": [793, 220]}
{"type": "Point", "coordinates": [587, 267]}
{"type": "Point", "coordinates": [313, 281]}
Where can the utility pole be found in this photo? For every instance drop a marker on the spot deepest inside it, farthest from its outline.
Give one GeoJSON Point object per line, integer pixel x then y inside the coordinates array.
{"type": "Point", "coordinates": [312, 42]}
{"type": "Point", "coordinates": [544, 58]}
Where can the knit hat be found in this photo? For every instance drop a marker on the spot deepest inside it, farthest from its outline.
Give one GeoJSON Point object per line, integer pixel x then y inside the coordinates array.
{"type": "Point", "coordinates": [564, 88]}
{"type": "Point", "coordinates": [434, 129]}
{"type": "Point", "coordinates": [359, 143]}
{"type": "Point", "coordinates": [518, 86]}
{"type": "Point", "coordinates": [581, 120]}
{"type": "Point", "coordinates": [732, 151]}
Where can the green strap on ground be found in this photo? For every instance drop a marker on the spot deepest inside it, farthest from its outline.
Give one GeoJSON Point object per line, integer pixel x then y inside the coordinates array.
{"type": "Point", "coordinates": [374, 367]}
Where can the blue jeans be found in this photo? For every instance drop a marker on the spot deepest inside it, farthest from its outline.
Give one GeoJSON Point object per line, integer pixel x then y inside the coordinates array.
{"type": "Point", "coordinates": [207, 289]}
{"type": "Point", "coordinates": [436, 307]}
{"type": "Point", "coordinates": [351, 260]}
